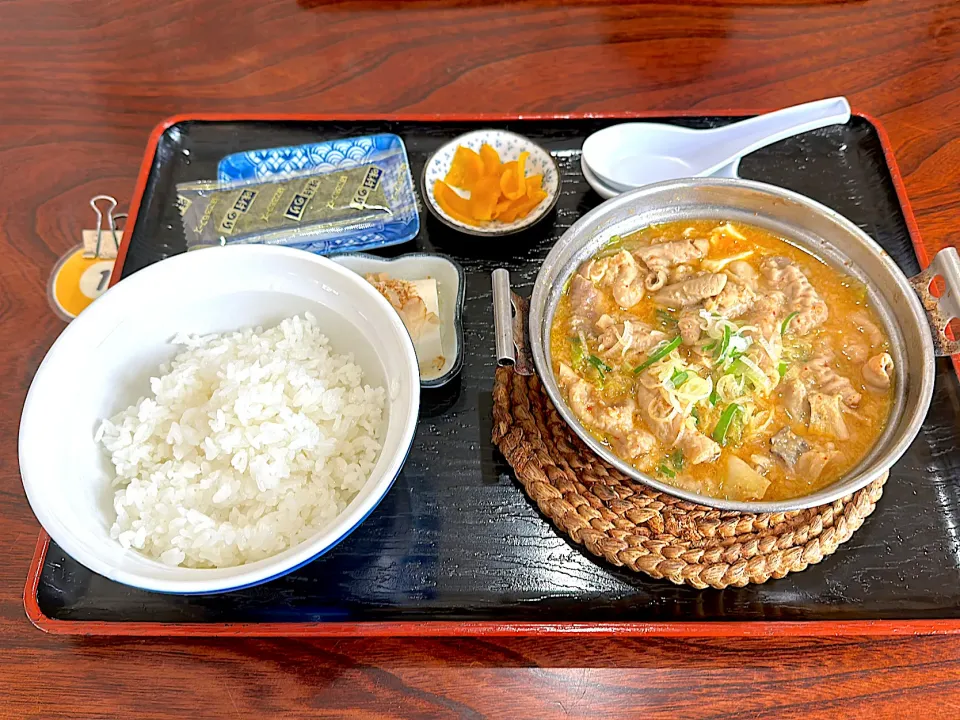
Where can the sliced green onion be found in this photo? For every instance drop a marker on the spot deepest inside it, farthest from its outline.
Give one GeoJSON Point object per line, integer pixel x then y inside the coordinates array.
{"type": "Point", "coordinates": [783, 325]}
{"type": "Point", "coordinates": [736, 368]}
{"type": "Point", "coordinates": [714, 398]}
{"type": "Point", "coordinates": [710, 346]}
{"type": "Point", "coordinates": [658, 354]}
{"type": "Point", "coordinates": [724, 342]}
{"type": "Point", "coordinates": [782, 368]}
{"type": "Point", "coordinates": [695, 412]}
{"type": "Point", "coordinates": [735, 431]}
{"type": "Point", "coordinates": [679, 378]}
{"type": "Point", "coordinates": [743, 367]}
{"type": "Point", "coordinates": [599, 364]}
{"type": "Point", "coordinates": [665, 470]}
{"type": "Point", "coordinates": [578, 354]}
{"type": "Point", "coordinates": [677, 459]}
{"type": "Point", "coordinates": [723, 424]}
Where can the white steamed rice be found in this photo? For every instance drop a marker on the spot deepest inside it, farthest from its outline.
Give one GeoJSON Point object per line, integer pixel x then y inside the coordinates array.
{"type": "Point", "coordinates": [252, 442]}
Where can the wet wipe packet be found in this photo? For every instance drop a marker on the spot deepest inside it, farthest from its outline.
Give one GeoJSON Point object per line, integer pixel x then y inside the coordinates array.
{"type": "Point", "coordinates": [360, 204]}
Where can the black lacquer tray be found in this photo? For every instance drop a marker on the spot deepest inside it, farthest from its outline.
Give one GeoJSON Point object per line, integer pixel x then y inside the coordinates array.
{"type": "Point", "coordinates": [456, 547]}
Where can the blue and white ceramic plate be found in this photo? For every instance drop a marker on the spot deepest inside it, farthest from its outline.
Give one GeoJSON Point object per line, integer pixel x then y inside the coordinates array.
{"type": "Point", "coordinates": [509, 145]}
{"type": "Point", "coordinates": [272, 163]}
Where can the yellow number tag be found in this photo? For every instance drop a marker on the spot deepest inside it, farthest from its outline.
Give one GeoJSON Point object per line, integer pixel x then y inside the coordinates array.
{"type": "Point", "coordinates": [76, 281]}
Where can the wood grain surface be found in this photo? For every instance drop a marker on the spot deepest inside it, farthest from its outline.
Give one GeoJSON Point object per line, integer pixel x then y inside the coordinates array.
{"type": "Point", "coordinates": [82, 84]}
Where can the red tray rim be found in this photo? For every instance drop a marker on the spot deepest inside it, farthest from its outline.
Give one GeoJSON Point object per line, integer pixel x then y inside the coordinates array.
{"type": "Point", "coordinates": [445, 628]}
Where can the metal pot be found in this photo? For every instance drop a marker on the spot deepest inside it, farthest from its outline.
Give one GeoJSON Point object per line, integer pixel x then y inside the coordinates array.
{"type": "Point", "coordinates": [916, 330]}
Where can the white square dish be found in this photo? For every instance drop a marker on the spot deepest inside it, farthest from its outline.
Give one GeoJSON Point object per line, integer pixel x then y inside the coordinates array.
{"type": "Point", "coordinates": [450, 290]}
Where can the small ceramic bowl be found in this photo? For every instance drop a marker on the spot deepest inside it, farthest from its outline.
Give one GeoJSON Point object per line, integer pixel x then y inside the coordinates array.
{"type": "Point", "coordinates": [509, 145]}
{"type": "Point", "coordinates": [451, 285]}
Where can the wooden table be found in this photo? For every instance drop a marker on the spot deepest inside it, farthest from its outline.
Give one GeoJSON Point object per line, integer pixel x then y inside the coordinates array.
{"type": "Point", "coordinates": [81, 86]}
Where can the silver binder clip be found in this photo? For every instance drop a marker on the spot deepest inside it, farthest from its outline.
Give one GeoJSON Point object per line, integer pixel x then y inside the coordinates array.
{"type": "Point", "coordinates": [93, 240]}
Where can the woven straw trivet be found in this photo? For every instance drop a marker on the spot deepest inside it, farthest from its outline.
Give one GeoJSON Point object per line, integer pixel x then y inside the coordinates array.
{"type": "Point", "coordinates": [636, 527]}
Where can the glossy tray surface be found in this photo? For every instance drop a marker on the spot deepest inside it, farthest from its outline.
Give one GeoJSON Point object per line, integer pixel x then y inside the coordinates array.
{"type": "Point", "coordinates": [456, 539]}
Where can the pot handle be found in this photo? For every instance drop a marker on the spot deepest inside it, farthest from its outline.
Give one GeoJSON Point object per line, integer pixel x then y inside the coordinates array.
{"type": "Point", "coordinates": [941, 310]}
{"type": "Point", "coordinates": [510, 312]}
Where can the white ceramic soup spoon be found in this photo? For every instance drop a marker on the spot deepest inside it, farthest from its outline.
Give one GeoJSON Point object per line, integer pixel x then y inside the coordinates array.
{"type": "Point", "coordinates": [606, 192]}
{"type": "Point", "coordinates": [629, 155]}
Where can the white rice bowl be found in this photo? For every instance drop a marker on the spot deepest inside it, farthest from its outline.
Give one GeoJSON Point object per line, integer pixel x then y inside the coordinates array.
{"type": "Point", "coordinates": [103, 362]}
{"type": "Point", "coordinates": [251, 442]}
